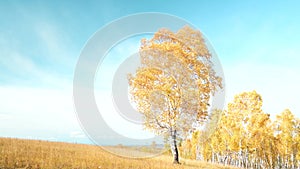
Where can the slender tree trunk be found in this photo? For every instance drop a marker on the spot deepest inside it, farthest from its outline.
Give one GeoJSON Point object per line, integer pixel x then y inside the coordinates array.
{"type": "Point", "coordinates": [199, 155]}
{"type": "Point", "coordinates": [292, 161]}
{"type": "Point", "coordinates": [174, 149]}
{"type": "Point", "coordinates": [246, 158]}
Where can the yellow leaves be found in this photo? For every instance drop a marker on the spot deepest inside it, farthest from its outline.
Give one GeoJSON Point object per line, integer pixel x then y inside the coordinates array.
{"type": "Point", "coordinates": [286, 127]}
{"type": "Point", "coordinates": [246, 103]}
{"type": "Point", "coordinates": [244, 124]}
{"type": "Point", "coordinates": [157, 89]}
{"type": "Point", "coordinates": [175, 82]}
{"type": "Point", "coordinates": [245, 131]}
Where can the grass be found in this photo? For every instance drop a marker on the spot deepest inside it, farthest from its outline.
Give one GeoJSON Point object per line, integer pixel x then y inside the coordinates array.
{"type": "Point", "coordinates": [21, 153]}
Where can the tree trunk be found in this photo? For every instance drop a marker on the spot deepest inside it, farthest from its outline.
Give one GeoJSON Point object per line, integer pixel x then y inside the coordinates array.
{"type": "Point", "coordinates": [174, 149]}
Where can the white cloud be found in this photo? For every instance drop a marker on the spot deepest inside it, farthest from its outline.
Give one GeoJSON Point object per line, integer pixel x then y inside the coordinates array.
{"type": "Point", "coordinates": [4, 116]}
{"type": "Point", "coordinates": [36, 109]}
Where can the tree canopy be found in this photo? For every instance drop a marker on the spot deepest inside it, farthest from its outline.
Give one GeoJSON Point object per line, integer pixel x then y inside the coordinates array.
{"type": "Point", "coordinates": [174, 85]}
{"type": "Point", "coordinates": [247, 137]}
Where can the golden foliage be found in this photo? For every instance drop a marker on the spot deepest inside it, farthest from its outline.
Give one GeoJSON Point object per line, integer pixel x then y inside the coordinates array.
{"type": "Point", "coordinates": [247, 137]}
{"type": "Point", "coordinates": [173, 87]}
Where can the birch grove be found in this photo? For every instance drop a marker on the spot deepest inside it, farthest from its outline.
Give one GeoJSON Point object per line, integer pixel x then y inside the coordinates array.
{"type": "Point", "coordinates": [246, 137]}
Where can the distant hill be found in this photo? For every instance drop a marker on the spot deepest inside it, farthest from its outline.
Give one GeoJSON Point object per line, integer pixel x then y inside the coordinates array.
{"type": "Point", "coordinates": [34, 154]}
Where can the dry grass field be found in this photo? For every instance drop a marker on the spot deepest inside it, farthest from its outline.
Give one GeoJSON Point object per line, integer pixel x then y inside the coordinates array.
{"type": "Point", "coordinates": [33, 154]}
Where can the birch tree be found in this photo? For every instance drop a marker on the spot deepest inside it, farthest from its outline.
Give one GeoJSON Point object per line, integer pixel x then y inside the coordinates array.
{"type": "Point", "coordinates": [174, 84]}
{"type": "Point", "coordinates": [287, 129]}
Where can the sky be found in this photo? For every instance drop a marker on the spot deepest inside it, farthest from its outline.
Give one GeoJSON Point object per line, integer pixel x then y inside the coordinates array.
{"type": "Point", "coordinates": [257, 43]}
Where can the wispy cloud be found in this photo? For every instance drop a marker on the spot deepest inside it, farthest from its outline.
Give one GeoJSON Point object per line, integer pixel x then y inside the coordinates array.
{"type": "Point", "coordinates": [56, 43]}
{"type": "Point", "coordinates": [20, 68]}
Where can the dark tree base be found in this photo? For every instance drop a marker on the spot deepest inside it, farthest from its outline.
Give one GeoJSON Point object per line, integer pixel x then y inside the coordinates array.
{"type": "Point", "coordinates": [176, 162]}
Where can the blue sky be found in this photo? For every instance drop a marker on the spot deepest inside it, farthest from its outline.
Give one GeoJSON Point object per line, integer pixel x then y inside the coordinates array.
{"type": "Point", "coordinates": [258, 43]}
